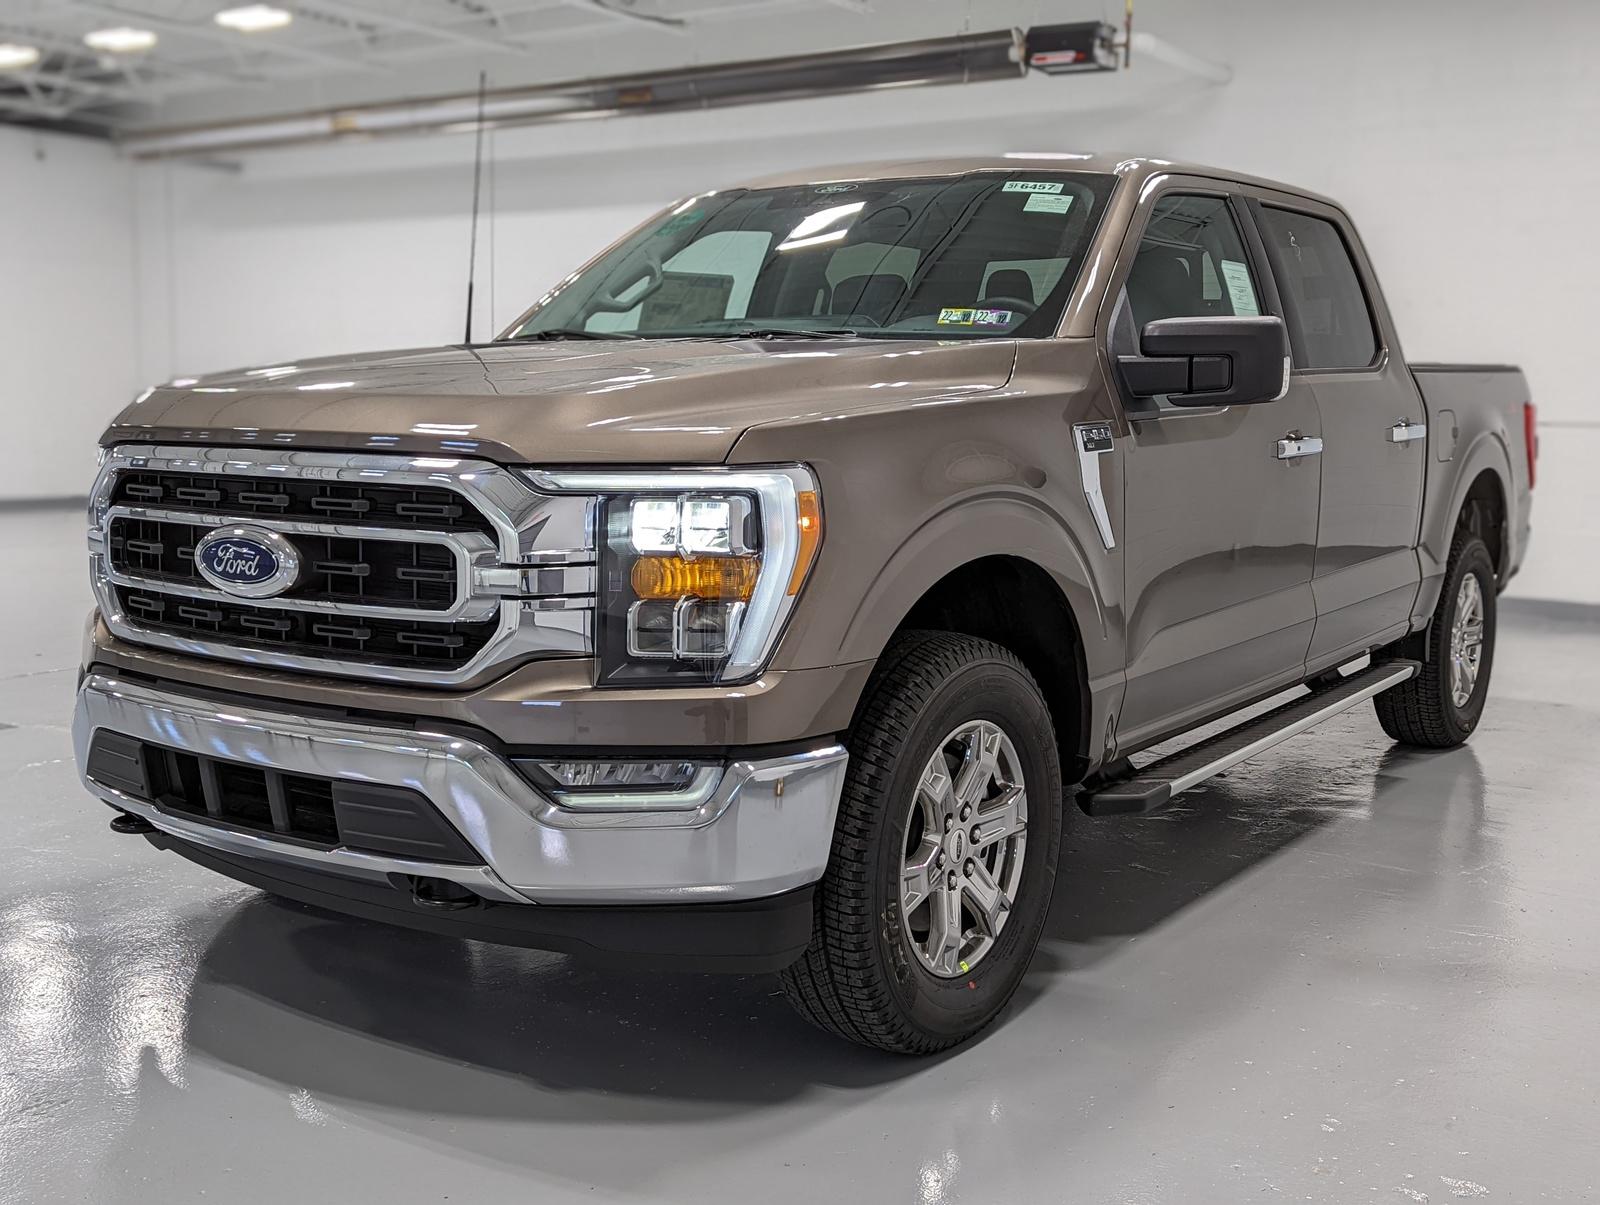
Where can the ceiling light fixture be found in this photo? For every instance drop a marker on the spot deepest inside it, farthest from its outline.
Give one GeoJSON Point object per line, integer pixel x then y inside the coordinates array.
{"type": "Point", "coordinates": [253, 18]}
{"type": "Point", "coordinates": [120, 40]}
{"type": "Point", "coordinates": [14, 57]}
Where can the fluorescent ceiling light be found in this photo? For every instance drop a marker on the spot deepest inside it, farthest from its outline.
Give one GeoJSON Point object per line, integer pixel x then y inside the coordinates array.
{"type": "Point", "coordinates": [253, 18]}
{"type": "Point", "coordinates": [120, 40]}
{"type": "Point", "coordinates": [14, 57]}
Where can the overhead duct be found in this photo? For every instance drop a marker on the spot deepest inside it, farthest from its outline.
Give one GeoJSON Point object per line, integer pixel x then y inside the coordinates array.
{"type": "Point", "coordinates": [964, 58]}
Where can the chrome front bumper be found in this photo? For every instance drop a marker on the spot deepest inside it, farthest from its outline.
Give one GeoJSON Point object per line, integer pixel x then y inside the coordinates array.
{"type": "Point", "coordinates": [766, 830]}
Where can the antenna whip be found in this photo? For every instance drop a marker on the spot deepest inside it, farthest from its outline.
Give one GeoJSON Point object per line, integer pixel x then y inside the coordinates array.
{"type": "Point", "coordinates": [477, 189]}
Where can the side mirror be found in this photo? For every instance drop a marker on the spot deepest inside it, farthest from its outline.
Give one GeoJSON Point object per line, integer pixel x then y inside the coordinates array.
{"type": "Point", "coordinates": [1229, 361]}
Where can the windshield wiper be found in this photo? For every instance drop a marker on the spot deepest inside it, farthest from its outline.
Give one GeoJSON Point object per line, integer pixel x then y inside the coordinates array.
{"type": "Point", "coordinates": [570, 332]}
{"type": "Point", "coordinates": [790, 332]}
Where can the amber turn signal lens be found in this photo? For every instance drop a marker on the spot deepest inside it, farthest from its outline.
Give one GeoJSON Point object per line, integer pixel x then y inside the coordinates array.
{"type": "Point", "coordinates": [731, 578]}
{"type": "Point", "coordinates": [810, 520]}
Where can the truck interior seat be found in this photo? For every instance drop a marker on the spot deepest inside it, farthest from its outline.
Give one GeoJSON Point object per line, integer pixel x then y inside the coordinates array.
{"type": "Point", "coordinates": [875, 295]}
{"type": "Point", "coordinates": [1159, 286]}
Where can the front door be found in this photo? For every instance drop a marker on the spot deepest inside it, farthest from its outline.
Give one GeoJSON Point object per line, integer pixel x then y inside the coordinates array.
{"type": "Point", "coordinates": [1220, 504]}
{"type": "Point", "coordinates": [1373, 429]}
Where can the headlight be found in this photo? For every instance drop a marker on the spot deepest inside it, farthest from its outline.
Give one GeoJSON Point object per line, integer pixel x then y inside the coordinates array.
{"type": "Point", "coordinates": [699, 569]}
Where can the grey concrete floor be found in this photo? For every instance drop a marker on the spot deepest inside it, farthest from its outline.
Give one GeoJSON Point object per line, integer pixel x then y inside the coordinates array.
{"type": "Point", "coordinates": [1346, 972]}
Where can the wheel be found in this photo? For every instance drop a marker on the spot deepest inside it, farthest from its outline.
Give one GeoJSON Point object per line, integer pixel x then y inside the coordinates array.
{"type": "Point", "coordinates": [944, 852]}
{"type": "Point", "coordinates": [1439, 708]}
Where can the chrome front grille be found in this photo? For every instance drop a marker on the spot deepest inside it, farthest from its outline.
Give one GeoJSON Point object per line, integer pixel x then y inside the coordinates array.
{"type": "Point", "coordinates": [414, 569]}
{"type": "Point", "coordinates": [352, 570]}
{"type": "Point", "coordinates": [403, 643]}
{"type": "Point", "coordinates": [290, 497]}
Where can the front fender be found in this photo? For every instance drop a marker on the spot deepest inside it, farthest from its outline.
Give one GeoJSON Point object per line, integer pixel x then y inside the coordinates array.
{"type": "Point", "coordinates": [968, 530]}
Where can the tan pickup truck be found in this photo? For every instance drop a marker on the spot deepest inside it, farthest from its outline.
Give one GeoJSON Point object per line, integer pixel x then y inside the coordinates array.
{"type": "Point", "coordinates": [759, 598]}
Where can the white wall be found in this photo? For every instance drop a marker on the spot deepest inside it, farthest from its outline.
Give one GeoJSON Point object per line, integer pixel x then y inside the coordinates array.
{"type": "Point", "coordinates": [1464, 146]}
{"type": "Point", "coordinates": [69, 329]}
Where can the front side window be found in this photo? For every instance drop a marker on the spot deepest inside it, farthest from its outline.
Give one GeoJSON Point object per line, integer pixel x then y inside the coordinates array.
{"type": "Point", "coordinates": [1327, 307]}
{"type": "Point", "coordinates": [984, 255]}
{"type": "Point", "coordinates": [1191, 263]}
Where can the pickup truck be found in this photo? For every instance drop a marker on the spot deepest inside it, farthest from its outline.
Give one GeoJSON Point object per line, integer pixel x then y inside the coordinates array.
{"type": "Point", "coordinates": [758, 599]}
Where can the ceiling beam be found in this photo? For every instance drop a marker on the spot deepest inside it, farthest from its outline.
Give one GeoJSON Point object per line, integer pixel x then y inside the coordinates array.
{"type": "Point", "coordinates": [388, 20]}
{"type": "Point", "coordinates": [163, 65]}
{"type": "Point", "coordinates": [46, 110]}
{"type": "Point", "coordinates": [616, 9]}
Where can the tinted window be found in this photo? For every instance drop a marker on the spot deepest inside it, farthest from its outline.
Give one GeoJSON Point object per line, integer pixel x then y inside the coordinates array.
{"type": "Point", "coordinates": [1327, 308]}
{"type": "Point", "coordinates": [1191, 263]}
{"type": "Point", "coordinates": [986, 255]}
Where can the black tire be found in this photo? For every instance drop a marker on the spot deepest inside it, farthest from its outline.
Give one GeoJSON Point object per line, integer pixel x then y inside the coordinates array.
{"type": "Point", "coordinates": [860, 978]}
{"type": "Point", "coordinates": [1423, 711]}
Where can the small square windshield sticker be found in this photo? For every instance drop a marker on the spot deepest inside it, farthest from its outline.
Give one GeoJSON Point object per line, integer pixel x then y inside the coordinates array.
{"type": "Point", "coordinates": [1032, 186]}
{"type": "Point", "coordinates": [1043, 202]}
{"type": "Point", "coordinates": [1240, 291]}
{"type": "Point", "coordinates": [974, 317]}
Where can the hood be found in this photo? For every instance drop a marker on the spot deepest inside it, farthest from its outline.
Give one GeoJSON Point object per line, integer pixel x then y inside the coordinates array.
{"type": "Point", "coordinates": [635, 402]}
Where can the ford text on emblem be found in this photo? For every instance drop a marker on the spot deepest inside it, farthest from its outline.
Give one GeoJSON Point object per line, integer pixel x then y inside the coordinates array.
{"type": "Point", "coordinates": [249, 561]}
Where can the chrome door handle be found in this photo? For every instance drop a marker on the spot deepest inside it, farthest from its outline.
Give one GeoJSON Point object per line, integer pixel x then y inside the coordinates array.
{"type": "Point", "coordinates": [1293, 445]}
{"type": "Point", "coordinates": [1404, 432]}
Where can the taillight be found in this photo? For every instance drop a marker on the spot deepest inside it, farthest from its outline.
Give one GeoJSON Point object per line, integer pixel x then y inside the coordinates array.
{"type": "Point", "coordinates": [1530, 437]}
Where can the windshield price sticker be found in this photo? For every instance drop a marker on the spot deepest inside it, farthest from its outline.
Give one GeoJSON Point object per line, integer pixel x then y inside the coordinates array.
{"type": "Point", "coordinates": [1032, 186]}
{"type": "Point", "coordinates": [974, 317]}
{"type": "Point", "coordinates": [1043, 202]}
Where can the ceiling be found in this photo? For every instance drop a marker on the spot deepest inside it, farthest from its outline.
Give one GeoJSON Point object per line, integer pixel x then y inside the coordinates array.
{"type": "Point", "coordinates": [338, 52]}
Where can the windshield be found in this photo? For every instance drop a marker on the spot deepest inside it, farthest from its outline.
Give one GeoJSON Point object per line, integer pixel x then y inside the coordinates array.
{"type": "Point", "coordinates": [987, 255]}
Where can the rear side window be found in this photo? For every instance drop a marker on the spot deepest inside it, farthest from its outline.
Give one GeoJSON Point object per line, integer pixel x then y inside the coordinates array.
{"type": "Point", "coordinates": [1327, 307]}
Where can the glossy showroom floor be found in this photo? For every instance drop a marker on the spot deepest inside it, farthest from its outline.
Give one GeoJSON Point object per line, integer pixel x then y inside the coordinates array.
{"type": "Point", "coordinates": [1340, 974]}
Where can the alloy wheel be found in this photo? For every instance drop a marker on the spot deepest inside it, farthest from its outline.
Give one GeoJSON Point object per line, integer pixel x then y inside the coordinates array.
{"type": "Point", "coordinates": [965, 839]}
{"type": "Point", "coordinates": [1466, 641]}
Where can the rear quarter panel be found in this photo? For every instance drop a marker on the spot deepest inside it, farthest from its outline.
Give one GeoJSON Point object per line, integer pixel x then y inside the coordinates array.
{"type": "Point", "coordinates": [1474, 426]}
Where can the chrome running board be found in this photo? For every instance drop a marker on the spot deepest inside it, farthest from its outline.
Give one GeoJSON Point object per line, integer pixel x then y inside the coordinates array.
{"type": "Point", "coordinates": [1154, 786]}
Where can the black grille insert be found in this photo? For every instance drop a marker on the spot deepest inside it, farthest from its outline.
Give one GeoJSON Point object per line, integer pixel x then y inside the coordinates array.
{"type": "Point", "coordinates": [401, 643]}
{"type": "Point", "coordinates": [421, 507]}
{"type": "Point", "coordinates": [358, 572]}
{"type": "Point", "coordinates": [302, 808]}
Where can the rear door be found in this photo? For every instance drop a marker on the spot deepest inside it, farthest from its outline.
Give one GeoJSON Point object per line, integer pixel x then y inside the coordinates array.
{"type": "Point", "coordinates": [1373, 427]}
{"type": "Point", "coordinates": [1220, 521]}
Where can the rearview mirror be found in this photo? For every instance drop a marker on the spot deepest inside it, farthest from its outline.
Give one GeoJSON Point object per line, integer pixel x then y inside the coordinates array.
{"type": "Point", "coordinates": [1229, 361]}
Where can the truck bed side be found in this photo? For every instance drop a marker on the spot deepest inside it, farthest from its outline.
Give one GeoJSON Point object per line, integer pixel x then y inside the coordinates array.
{"type": "Point", "coordinates": [1479, 422]}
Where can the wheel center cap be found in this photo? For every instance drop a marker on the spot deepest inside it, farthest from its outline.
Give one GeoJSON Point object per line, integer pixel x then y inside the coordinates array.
{"type": "Point", "coordinates": [956, 844]}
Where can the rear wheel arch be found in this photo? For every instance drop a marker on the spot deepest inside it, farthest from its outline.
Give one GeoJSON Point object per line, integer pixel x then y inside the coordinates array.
{"type": "Point", "coordinates": [1478, 481]}
{"type": "Point", "coordinates": [1483, 512]}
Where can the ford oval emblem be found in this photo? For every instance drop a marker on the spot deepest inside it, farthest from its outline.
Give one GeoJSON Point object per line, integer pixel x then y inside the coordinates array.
{"type": "Point", "coordinates": [249, 561]}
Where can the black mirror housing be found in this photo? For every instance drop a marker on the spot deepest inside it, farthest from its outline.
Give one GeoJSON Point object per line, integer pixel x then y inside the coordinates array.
{"type": "Point", "coordinates": [1224, 361]}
